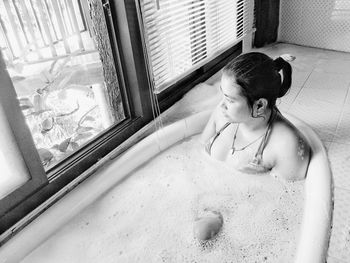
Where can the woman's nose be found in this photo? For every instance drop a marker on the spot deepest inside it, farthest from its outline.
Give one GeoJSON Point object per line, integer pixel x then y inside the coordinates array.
{"type": "Point", "coordinates": [223, 104]}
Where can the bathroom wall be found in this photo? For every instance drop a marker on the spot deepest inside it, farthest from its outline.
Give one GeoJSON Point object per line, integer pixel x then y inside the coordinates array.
{"type": "Point", "coordinates": [316, 23]}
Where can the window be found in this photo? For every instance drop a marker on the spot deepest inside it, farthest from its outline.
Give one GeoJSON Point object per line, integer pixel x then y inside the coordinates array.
{"type": "Point", "coordinates": [184, 35]}
{"type": "Point", "coordinates": [79, 77]}
{"type": "Point", "coordinates": [65, 79]}
{"type": "Point", "coordinates": [70, 93]}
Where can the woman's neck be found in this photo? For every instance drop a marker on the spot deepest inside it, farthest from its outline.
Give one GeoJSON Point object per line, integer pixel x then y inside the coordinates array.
{"type": "Point", "coordinates": [257, 124]}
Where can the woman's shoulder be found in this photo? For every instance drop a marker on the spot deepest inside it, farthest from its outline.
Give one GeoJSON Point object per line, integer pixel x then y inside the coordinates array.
{"type": "Point", "coordinates": [292, 152]}
{"type": "Point", "coordinates": [285, 131]}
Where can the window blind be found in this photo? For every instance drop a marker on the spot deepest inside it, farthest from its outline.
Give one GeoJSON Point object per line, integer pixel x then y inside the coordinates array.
{"type": "Point", "coordinates": [182, 35]}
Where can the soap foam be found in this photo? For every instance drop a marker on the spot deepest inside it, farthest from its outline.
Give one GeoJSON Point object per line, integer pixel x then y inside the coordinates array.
{"type": "Point", "coordinates": [149, 217]}
{"type": "Point", "coordinates": [162, 199]}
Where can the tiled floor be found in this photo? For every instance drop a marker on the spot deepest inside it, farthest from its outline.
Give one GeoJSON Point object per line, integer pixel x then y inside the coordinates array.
{"type": "Point", "coordinates": [320, 96]}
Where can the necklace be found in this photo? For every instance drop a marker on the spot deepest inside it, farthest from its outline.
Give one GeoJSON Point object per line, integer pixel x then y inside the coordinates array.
{"type": "Point", "coordinates": [265, 134]}
{"type": "Point", "coordinates": [234, 149]}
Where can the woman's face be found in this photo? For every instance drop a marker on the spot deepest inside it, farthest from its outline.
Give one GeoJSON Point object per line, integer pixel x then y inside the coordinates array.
{"type": "Point", "coordinates": [234, 105]}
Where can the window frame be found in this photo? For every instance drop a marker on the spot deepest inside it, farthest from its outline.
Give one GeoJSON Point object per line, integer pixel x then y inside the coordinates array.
{"type": "Point", "coordinates": [24, 141]}
{"type": "Point", "coordinates": [133, 73]}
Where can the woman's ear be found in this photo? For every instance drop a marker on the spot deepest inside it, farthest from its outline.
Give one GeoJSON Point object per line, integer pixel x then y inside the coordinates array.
{"type": "Point", "coordinates": [259, 107]}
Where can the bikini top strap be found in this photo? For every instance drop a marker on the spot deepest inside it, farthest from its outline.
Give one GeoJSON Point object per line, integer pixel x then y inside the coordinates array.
{"type": "Point", "coordinates": [223, 128]}
{"type": "Point", "coordinates": [259, 153]}
{"type": "Point", "coordinates": [212, 140]}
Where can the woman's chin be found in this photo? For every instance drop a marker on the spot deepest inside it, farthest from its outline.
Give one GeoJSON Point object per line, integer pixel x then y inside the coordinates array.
{"type": "Point", "coordinates": [228, 119]}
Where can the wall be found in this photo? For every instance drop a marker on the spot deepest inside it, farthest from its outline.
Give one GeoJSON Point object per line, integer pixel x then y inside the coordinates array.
{"type": "Point", "coordinates": [316, 23]}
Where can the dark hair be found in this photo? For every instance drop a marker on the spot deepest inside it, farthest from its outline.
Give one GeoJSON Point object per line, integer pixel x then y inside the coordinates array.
{"type": "Point", "coordinates": [258, 76]}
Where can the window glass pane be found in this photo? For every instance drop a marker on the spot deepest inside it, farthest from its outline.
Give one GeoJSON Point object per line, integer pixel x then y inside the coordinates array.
{"type": "Point", "coordinates": [60, 61]}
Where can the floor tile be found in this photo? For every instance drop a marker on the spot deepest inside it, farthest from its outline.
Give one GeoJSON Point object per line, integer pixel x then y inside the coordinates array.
{"type": "Point", "coordinates": [346, 106]}
{"type": "Point", "coordinates": [339, 246]}
{"type": "Point", "coordinates": [309, 97]}
{"type": "Point", "coordinates": [323, 122]}
{"type": "Point", "coordinates": [304, 61]}
{"type": "Point", "coordinates": [288, 99]}
{"type": "Point", "coordinates": [296, 50]}
{"type": "Point", "coordinates": [328, 81]}
{"type": "Point", "coordinates": [333, 66]}
{"type": "Point", "coordinates": [299, 77]}
{"type": "Point", "coordinates": [331, 54]}
{"type": "Point", "coordinates": [339, 157]}
{"type": "Point", "coordinates": [342, 134]}
{"type": "Point", "coordinates": [334, 260]}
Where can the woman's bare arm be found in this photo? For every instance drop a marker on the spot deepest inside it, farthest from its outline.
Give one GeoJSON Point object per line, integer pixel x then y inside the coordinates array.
{"type": "Point", "coordinates": [292, 157]}
{"type": "Point", "coordinates": [210, 129]}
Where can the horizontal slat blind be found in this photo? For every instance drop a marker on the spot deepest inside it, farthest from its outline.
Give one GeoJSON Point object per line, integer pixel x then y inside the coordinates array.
{"type": "Point", "coordinates": [180, 35]}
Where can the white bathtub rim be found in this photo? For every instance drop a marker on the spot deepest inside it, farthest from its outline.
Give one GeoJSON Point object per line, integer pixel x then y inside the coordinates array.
{"type": "Point", "coordinates": [318, 206]}
{"type": "Point", "coordinates": [65, 209]}
{"type": "Point", "coordinates": [87, 192]}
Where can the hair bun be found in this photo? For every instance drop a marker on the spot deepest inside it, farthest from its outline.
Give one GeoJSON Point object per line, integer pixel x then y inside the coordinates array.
{"type": "Point", "coordinates": [281, 64]}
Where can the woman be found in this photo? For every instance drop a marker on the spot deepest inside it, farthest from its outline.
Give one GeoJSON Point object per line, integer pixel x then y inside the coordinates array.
{"type": "Point", "coordinates": [246, 130]}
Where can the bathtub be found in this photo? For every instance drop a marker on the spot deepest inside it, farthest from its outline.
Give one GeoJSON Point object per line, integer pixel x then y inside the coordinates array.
{"type": "Point", "coordinates": [316, 222]}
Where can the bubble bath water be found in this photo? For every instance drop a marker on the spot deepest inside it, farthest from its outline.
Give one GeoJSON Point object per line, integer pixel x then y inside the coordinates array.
{"type": "Point", "coordinates": [156, 208]}
{"type": "Point", "coordinates": [147, 215]}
